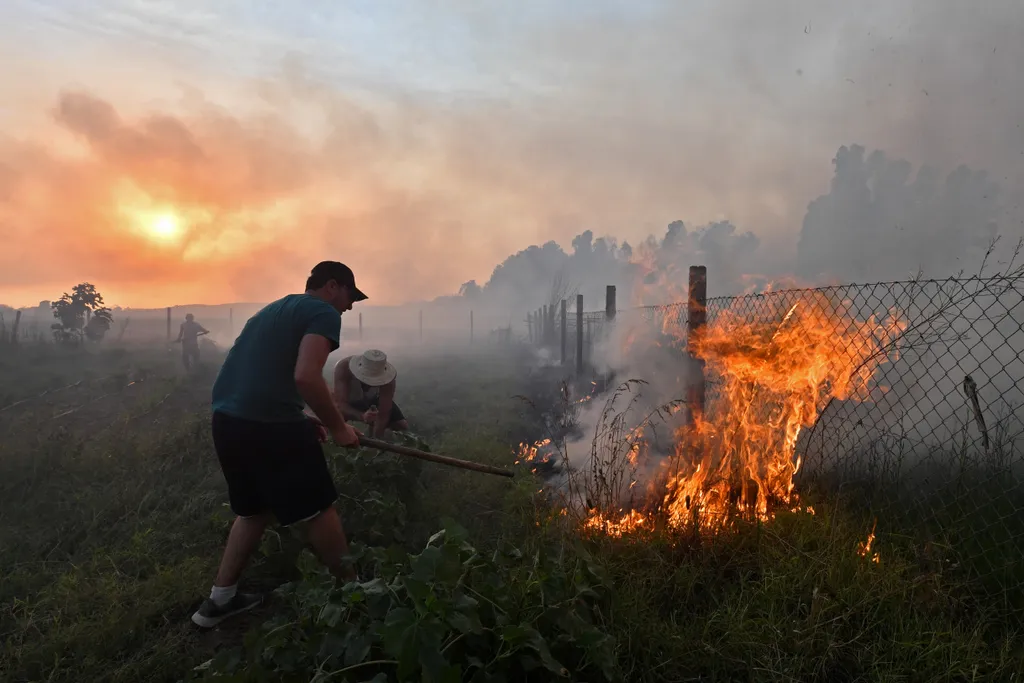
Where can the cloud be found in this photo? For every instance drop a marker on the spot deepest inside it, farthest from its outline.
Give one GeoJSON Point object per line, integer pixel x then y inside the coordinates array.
{"type": "Point", "coordinates": [426, 162]}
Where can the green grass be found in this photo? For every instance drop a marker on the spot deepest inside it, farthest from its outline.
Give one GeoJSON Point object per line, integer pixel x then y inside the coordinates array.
{"type": "Point", "coordinates": [113, 514]}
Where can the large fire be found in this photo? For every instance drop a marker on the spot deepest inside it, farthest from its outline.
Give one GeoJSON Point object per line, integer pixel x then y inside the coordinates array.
{"type": "Point", "coordinates": [767, 380]}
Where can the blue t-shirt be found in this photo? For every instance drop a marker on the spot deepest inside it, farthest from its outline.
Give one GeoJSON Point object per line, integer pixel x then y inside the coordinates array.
{"type": "Point", "coordinates": [257, 380]}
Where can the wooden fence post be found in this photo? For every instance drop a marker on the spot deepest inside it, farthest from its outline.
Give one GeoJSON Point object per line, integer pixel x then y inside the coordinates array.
{"type": "Point", "coordinates": [551, 314]}
{"type": "Point", "coordinates": [563, 326]}
{"type": "Point", "coordinates": [14, 332]}
{"type": "Point", "coordinates": [579, 335]}
{"type": "Point", "coordinates": [547, 325]}
{"type": "Point", "coordinates": [696, 316]}
{"type": "Point", "coordinates": [609, 302]}
{"type": "Point", "coordinates": [168, 323]}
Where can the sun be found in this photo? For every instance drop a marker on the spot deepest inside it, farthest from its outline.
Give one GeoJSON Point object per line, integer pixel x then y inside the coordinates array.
{"type": "Point", "coordinates": [164, 226]}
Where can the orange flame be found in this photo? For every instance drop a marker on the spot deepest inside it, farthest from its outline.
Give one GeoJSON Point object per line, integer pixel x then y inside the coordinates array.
{"type": "Point", "coordinates": [770, 380]}
{"type": "Point", "coordinates": [864, 547]}
{"type": "Point", "coordinates": [529, 452]}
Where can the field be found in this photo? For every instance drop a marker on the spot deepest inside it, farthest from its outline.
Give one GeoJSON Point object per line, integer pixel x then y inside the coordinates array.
{"type": "Point", "coordinates": [113, 514]}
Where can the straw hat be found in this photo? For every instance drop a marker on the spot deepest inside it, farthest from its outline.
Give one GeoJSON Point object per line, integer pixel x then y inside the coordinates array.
{"type": "Point", "coordinates": [372, 368]}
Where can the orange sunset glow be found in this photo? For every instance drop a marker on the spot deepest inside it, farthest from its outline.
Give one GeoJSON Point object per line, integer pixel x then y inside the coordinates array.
{"type": "Point", "coordinates": [206, 155]}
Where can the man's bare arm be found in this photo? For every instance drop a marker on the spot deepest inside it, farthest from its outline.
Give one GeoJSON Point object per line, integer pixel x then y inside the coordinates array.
{"type": "Point", "coordinates": [342, 378]}
{"type": "Point", "coordinates": [309, 379]}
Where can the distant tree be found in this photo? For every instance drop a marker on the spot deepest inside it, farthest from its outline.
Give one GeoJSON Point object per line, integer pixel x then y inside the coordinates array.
{"type": "Point", "coordinates": [80, 315]}
{"type": "Point", "coordinates": [470, 290]}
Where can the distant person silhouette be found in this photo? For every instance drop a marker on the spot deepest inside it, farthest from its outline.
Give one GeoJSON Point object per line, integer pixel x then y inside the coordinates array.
{"type": "Point", "coordinates": [188, 336]}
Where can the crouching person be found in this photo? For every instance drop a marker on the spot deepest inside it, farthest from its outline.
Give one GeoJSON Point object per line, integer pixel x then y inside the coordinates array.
{"type": "Point", "coordinates": [364, 389]}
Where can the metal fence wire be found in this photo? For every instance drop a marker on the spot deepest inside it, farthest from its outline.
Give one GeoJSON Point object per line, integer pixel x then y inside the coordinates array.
{"type": "Point", "coordinates": [933, 453]}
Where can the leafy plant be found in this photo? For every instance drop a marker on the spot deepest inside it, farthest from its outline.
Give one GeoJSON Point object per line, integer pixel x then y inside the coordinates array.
{"type": "Point", "coordinates": [449, 613]}
{"type": "Point", "coordinates": [80, 315]}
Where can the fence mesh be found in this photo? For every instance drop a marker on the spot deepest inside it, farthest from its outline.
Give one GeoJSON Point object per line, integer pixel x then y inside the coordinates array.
{"type": "Point", "coordinates": [933, 453]}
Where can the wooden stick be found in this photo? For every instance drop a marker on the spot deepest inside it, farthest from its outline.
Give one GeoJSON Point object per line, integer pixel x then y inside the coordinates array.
{"type": "Point", "coordinates": [433, 457]}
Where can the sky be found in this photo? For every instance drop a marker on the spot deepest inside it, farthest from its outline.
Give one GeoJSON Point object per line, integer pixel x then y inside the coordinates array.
{"type": "Point", "coordinates": [207, 151]}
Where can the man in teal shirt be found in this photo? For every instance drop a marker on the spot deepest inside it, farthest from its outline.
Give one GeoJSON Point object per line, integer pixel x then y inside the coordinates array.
{"type": "Point", "coordinates": [268, 446]}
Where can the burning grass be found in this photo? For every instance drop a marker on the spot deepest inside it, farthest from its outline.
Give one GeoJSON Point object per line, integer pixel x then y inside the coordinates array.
{"type": "Point", "coordinates": [733, 457]}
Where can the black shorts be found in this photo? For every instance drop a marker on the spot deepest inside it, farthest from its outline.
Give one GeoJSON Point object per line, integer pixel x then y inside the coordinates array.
{"type": "Point", "coordinates": [276, 467]}
{"type": "Point", "coordinates": [363, 405]}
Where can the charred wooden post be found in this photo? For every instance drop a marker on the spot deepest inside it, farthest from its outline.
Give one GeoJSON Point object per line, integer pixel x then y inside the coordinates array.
{"type": "Point", "coordinates": [609, 303]}
{"type": "Point", "coordinates": [696, 317]}
{"type": "Point", "coordinates": [14, 332]}
{"type": "Point", "coordinates": [579, 335]}
{"type": "Point", "coordinates": [563, 326]}
{"type": "Point", "coordinates": [168, 323]}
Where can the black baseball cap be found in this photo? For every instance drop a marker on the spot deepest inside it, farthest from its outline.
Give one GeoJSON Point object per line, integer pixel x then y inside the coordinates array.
{"type": "Point", "coordinates": [337, 271]}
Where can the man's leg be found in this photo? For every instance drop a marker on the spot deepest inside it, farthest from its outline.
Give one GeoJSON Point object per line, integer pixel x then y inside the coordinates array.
{"type": "Point", "coordinates": [225, 600]}
{"type": "Point", "coordinates": [243, 540]}
{"type": "Point", "coordinates": [327, 536]}
{"type": "Point", "coordinates": [237, 447]}
{"type": "Point", "coordinates": [304, 495]}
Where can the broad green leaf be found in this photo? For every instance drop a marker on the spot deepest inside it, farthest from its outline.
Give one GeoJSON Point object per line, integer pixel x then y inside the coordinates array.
{"type": "Point", "coordinates": [540, 646]}
{"type": "Point", "coordinates": [431, 660]}
{"type": "Point", "coordinates": [418, 590]}
{"type": "Point", "coordinates": [455, 533]}
{"type": "Point", "coordinates": [330, 614]}
{"type": "Point", "coordinates": [424, 565]}
{"type": "Point", "coordinates": [393, 630]}
{"type": "Point", "coordinates": [409, 653]}
{"type": "Point", "coordinates": [464, 602]}
{"type": "Point", "coordinates": [516, 634]}
{"type": "Point", "coordinates": [465, 623]}
{"type": "Point", "coordinates": [357, 650]}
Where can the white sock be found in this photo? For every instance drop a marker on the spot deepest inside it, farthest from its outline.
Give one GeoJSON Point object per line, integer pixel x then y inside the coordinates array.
{"type": "Point", "coordinates": [223, 594]}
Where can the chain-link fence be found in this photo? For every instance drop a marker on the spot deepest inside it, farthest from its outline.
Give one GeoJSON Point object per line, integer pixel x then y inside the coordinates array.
{"type": "Point", "coordinates": [932, 450]}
